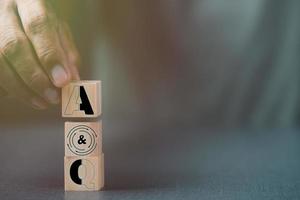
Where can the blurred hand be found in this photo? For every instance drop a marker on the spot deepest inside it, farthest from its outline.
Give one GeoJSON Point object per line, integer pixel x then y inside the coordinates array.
{"type": "Point", "coordinates": [37, 54]}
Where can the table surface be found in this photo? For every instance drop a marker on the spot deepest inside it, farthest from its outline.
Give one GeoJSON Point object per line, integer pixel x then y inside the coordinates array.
{"type": "Point", "coordinates": [148, 161]}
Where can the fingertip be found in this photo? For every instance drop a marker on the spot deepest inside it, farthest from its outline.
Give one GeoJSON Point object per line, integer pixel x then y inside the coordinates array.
{"type": "Point", "coordinates": [77, 77]}
{"type": "Point", "coordinates": [52, 96]}
{"type": "Point", "coordinates": [38, 104]}
{"type": "Point", "coordinates": [75, 73]}
{"type": "Point", "coordinates": [60, 76]}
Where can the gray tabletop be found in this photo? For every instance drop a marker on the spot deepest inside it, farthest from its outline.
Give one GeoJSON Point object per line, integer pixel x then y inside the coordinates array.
{"type": "Point", "coordinates": [150, 161]}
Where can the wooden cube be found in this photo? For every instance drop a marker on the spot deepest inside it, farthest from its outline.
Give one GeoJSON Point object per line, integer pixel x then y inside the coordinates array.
{"type": "Point", "coordinates": [82, 99]}
{"type": "Point", "coordinates": [83, 138]}
{"type": "Point", "coordinates": [84, 173]}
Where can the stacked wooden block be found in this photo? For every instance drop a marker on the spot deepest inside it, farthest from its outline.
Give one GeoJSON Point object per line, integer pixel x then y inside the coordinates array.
{"type": "Point", "coordinates": [84, 160]}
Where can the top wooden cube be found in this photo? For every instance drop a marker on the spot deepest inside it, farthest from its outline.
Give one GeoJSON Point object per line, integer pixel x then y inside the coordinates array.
{"type": "Point", "coordinates": [82, 99]}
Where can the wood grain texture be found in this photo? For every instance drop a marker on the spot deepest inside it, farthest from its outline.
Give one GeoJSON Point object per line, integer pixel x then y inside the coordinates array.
{"type": "Point", "coordinates": [84, 173]}
{"type": "Point", "coordinates": [72, 95]}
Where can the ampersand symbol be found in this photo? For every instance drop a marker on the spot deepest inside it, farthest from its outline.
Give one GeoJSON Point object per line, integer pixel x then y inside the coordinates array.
{"type": "Point", "coordinates": [81, 140]}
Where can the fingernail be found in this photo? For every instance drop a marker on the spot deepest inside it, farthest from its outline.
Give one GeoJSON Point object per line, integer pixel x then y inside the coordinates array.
{"type": "Point", "coordinates": [38, 104]}
{"type": "Point", "coordinates": [59, 76]}
{"type": "Point", "coordinates": [52, 95]}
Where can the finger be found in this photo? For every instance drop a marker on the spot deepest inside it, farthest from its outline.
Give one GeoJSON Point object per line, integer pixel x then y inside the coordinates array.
{"type": "Point", "coordinates": [15, 88]}
{"type": "Point", "coordinates": [70, 49]}
{"type": "Point", "coordinates": [17, 50]}
{"type": "Point", "coordinates": [40, 26]}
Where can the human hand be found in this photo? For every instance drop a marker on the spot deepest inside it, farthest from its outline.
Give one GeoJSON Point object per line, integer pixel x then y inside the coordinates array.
{"type": "Point", "coordinates": [37, 54]}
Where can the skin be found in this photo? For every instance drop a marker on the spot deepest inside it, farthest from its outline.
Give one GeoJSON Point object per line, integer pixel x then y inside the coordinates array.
{"type": "Point", "coordinates": [37, 53]}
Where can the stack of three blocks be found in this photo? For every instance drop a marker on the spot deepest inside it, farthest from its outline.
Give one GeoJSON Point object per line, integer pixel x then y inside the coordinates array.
{"type": "Point", "coordinates": [84, 160]}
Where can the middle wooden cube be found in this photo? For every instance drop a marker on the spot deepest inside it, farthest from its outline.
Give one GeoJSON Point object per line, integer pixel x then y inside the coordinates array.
{"type": "Point", "coordinates": [83, 138]}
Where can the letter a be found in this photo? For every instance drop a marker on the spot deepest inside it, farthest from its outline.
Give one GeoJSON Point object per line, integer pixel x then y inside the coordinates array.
{"type": "Point", "coordinates": [79, 101]}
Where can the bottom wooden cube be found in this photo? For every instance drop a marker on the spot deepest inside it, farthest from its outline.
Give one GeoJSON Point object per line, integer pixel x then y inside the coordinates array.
{"type": "Point", "coordinates": [84, 173]}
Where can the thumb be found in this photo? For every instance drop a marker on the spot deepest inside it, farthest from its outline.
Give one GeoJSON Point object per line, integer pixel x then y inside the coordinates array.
{"type": "Point", "coordinates": [70, 50]}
